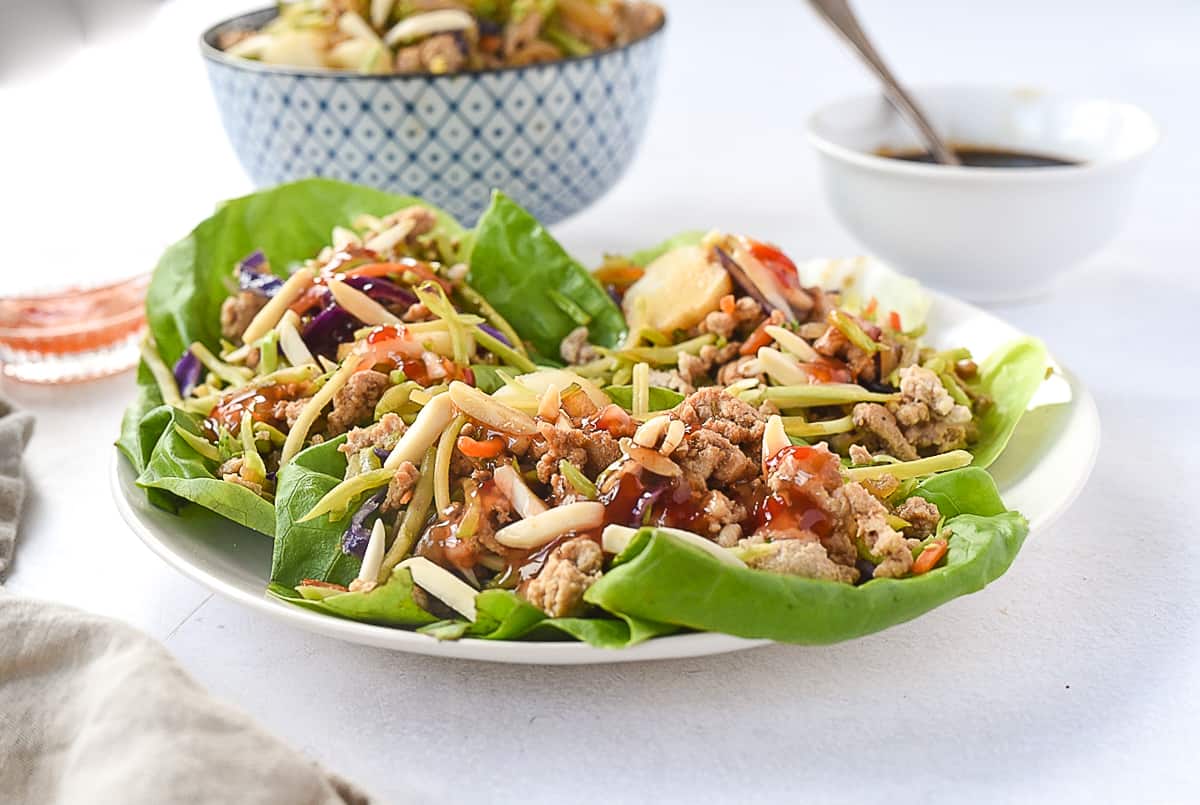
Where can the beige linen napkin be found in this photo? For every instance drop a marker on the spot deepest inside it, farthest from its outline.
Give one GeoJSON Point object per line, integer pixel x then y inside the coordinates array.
{"type": "Point", "coordinates": [92, 710]}
{"type": "Point", "coordinates": [15, 429]}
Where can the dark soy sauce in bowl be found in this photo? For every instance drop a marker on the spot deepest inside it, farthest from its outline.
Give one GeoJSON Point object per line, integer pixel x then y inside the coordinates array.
{"type": "Point", "coordinates": [975, 157]}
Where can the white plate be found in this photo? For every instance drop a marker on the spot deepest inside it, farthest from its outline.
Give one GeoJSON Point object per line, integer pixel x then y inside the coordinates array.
{"type": "Point", "coordinates": [1040, 474]}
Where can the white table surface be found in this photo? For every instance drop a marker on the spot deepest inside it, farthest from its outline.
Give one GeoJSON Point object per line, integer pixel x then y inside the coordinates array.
{"type": "Point", "coordinates": [1075, 677]}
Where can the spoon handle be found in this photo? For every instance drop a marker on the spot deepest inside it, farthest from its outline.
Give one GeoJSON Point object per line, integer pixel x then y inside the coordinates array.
{"type": "Point", "coordinates": [841, 18]}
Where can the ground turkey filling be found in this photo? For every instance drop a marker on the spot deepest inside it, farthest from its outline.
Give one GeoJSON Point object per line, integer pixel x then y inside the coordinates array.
{"type": "Point", "coordinates": [797, 507]}
{"type": "Point", "coordinates": [792, 514]}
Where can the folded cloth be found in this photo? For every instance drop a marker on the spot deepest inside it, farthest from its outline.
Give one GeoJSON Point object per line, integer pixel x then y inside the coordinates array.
{"type": "Point", "coordinates": [92, 710]}
{"type": "Point", "coordinates": [15, 429]}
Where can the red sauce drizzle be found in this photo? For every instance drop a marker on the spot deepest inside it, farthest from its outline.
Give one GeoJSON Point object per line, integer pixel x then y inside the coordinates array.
{"type": "Point", "coordinates": [828, 370]}
{"type": "Point", "coordinates": [796, 506]}
{"type": "Point", "coordinates": [259, 402]}
{"type": "Point", "coordinates": [621, 501]}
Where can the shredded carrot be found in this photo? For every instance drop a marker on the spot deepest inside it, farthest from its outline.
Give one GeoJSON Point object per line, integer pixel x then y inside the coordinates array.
{"type": "Point", "coordinates": [757, 340]}
{"type": "Point", "coordinates": [426, 273]}
{"type": "Point", "coordinates": [487, 448]}
{"type": "Point", "coordinates": [871, 307]}
{"type": "Point", "coordinates": [374, 270]}
{"type": "Point", "coordinates": [308, 300]}
{"type": "Point", "coordinates": [728, 304]}
{"type": "Point", "coordinates": [894, 321]}
{"type": "Point", "coordinates": [929, 557]}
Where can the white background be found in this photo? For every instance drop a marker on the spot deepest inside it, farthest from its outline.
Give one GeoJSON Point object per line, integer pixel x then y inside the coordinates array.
{"type": "Point", "coordinates": [1075, 677]}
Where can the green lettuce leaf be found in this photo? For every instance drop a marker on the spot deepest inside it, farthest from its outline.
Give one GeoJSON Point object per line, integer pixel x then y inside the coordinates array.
{"type": "Point", "coordinates": [660, 579]}
{"type": "Point", "coordinates": [661, 399]}
{"type": "Point", "coordinates": [136, 442]}
{"type": "Point", "coordinates": [289, 223]}
{"type": "Point", "coordinates": [487, 378]}
{"type": "Point", "coordinates": [503, 615]}
{"type": "Point", "coordinates": [667, 580]}
{"type": "Point", "coordinates": [174, 466]}
{"type": "Point", "coordinates": [644, 257]}
{"type": "Point", "coordinates": [969, 490]}
{"type": "Point", "coordinates": [531, 280]}
{"type": "Point", "coordinates": [312, 549]}
{"type": "Point", "coordinates": [1010, 376]}
{"type": "Point", "coordinates": [389, 604]}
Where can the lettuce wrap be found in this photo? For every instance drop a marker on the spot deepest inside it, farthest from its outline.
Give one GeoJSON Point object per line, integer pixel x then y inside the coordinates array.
{"type": "Point", "coordinates": [657, 584]}
{"type": "Point", "coordinates": [288, 224]}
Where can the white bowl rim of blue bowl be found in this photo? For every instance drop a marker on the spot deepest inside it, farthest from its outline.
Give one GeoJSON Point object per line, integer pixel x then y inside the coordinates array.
{"type": "Point", "coordinates": [209, 50]}
{"type": "Point", "coordinates": [1146, 135]}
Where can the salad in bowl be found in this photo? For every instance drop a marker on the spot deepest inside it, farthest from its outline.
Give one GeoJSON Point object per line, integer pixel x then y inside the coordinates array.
{"type": "Point", "coordinates": [466, 433]}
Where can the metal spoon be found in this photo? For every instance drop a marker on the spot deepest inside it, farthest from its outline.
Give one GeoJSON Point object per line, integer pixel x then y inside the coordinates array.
{"type": "Point", "coordinates": [841, 18]}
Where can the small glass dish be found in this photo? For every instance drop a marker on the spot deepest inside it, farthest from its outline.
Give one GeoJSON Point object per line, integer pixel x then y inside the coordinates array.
{"type": "Point", "coordinates": [74, 334]}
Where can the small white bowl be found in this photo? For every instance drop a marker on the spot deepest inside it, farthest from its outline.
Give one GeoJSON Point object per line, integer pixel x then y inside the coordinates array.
{"type": "Point", "coordinates": [984, 233]}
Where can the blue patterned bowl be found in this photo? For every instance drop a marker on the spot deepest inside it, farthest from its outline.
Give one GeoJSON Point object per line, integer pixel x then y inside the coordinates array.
{"type": "Point", "coordinates": [554, 136]}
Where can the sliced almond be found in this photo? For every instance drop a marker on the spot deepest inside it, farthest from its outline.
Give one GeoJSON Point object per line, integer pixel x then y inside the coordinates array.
{"type": "Point", "coordinates": [387, 240]}
{"type": "Point", "coordinates": [442, 585]}
{"type": "Point", "coordinates": [783, 369]}
{"type": "Point", "coordinates": [486, 410]}
{"type": "Point", "coordinates": [616, 538]}
{"type": "Point", "coordinates": [372, 559]}
{"type": "Point", "coordinates": [792, 343]}
{"type": "Point", "coordinates": [652, 460]}
{"type": "Point", "coordinates": [775, 438]}
{"type": "Point", "coordinates": [675, 433]}
{"type": "Point", "coordinates": [650, 431]}
{"type": "Point", "coordinates": [536, 531]}
{"type": "Point", "coordinates": [343, 237]}
{"type": "Point", "coordinates": [424, 431]}
{"type": "Point", "coordinates": [513, 486]}
{"type": "Point", "coordinates": [293, 346]}
{"type": "Point", "coordinates": [359, 305]}
{"type": "Point", "coordinates": [266, 319]}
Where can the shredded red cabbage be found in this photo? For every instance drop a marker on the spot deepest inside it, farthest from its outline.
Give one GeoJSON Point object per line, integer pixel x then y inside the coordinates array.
{"type": "Point", "coordinates": [252, 277]}
{"type": "Point", "coordinates": [383, 291]}
{"type": "Point", "coordinates": [187, 372]}
{"type": "Point", "coordinates": [327, 329]}
{"type": "Point", "coordinates": [494, 333]}
{"type": "Point", "coordinates": [357, 535]}
{"type": "Point", "coordinates": [334, 326]}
